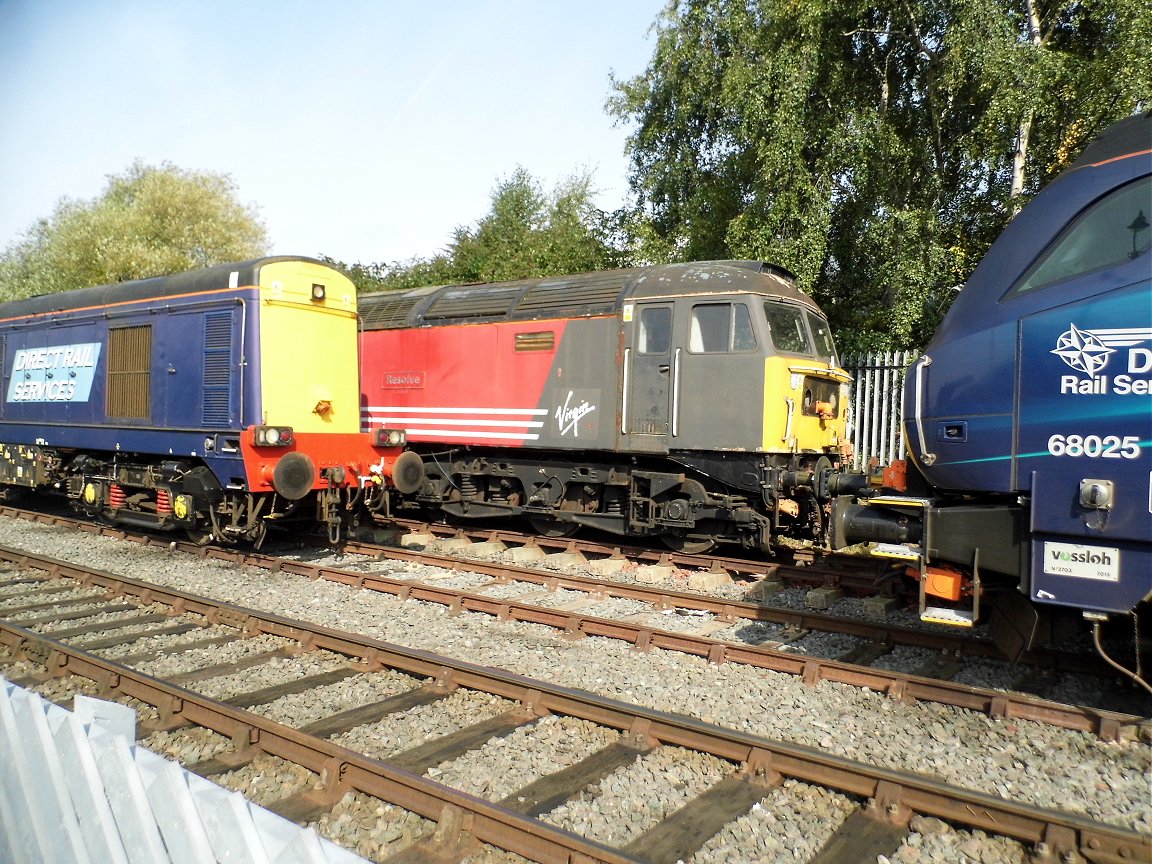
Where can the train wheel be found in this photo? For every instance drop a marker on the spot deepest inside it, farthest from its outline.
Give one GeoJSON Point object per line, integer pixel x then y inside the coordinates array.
{"type": "Point", "coordinates": [689, 491]}
{"type": "Point", "coordinates": [687, 545]}
{"type": "Point", "coordinates": [546, 526]}
{"type": "Point", "coordinates": [199, 536]}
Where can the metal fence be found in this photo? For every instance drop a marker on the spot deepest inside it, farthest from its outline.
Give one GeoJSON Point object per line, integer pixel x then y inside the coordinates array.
{"type": "Point", "coordinates": [875, 421]}
{"type": "Point", "coordinates": [73, 788]}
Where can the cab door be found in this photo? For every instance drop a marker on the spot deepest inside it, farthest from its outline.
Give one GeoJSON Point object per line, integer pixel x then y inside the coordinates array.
{"type": "Point", "coordinates": [648, 379]}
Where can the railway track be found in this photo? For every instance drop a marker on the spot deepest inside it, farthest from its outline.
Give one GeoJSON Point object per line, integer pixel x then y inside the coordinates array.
{"type": "Point", "coordinates": [568, 602]}
{"type": "Point", "coordinates": [800, 566]}
{"type": "Point", "coordinates": [54, 629]}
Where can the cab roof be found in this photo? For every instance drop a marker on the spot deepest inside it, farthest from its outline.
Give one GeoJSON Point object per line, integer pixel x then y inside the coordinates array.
{"type": "Point", "coordinates": [601, 292]}
{"type": "Point", "coordinates": [215, 278]}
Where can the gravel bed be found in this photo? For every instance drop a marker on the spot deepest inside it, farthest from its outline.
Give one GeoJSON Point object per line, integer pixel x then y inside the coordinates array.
{"type": "Point", "coordinates": [1064, 688]}
{"type": "Point", "coordinates": [755, 633]}
{"type": "Point", "coordinates": [400, 732]}
{"type": "Point", "coordinates": [278, 670]}
{"type": "Point", "coordinates": [636, 797]}
{"type": "Point", "coordinates": [59, 690]}
{"type": "Point", "coordinates": [199, 658]}
{"type": "Point", "coordinates": [1045, 766]}
{"type": "Point", "coordinates": [371, 828]}
{"type": "Point", "coordinates": [677, 622]}
{"type": "Point", "coordinates": [824, 645]}
{"type": "Point", "coordinates": [613, 608]}
{"type": "Point", "coordinates": [504, 765]}
{"type": "Point", "coordinates": [454, 580]}
{"type": "Point", "coordinates": [299, 709]}
{"type": "Point", "coordinates": [11, 582]}
{"type": "Point", "coordinates": [790, 824]}
{"type": "Point", "coordinates": [905, 659]}
{"type": "Point", "coordinates": [114, 620]}
{"type": "Point", "coordinates": [931, 840]}
{"type": "Point", "coordinates": [268, 779]}
{"type": "Point", "coordinates": [13, 598]}
{"type": "Point", "coordinates": [560, 597]}
{"type": "Point", "coordinates": [509, 590]}
{"type": "Point", "coordinates": [187, 746]}
{"type": "Point", "coordinates": [171, 644]}
{"type": "Point", "coordinates": [19, 669]}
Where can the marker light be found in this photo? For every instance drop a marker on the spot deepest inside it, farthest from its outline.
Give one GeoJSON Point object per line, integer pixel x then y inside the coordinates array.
{"type": "Point", "coordinates": [317, 292]}
{"type": "Point", "coordinates": [272, 436]}
{"type": "Point", "coordinates": [390, 437]}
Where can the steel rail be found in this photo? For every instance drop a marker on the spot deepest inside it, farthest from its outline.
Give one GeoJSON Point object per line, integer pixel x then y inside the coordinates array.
{"type": "Point", "coordinates": [738, 610]}
{"type": "Point", "coordinates": [660, 598]}
{"type": "Point", "coordinates": [896, 795]}
{"type": "Point", "coordinates": [1112, 726]}
{"type": "Point", "coordinates": [746, 567]}
{"type": "Point", "coordinates": [1108, 725]}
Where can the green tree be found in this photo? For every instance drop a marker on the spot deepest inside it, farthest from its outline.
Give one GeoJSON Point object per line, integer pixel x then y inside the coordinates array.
{"type": "Point", "coordinates": [531, 233]}
{"type": "Point", "coordinates": [147, 222]}
{"type": "Point", "coordinates": [876, 149]}
{"type": "Point", "coordinates": [528, 232]}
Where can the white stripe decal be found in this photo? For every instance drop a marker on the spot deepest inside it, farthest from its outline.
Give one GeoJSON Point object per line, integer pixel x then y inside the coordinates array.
{"type": "Point", "coordinates": [397, 409]}
{"type": "Point", "coordinates": [472, 424]}
{"type": "Point", "coordinates": [472, 434]}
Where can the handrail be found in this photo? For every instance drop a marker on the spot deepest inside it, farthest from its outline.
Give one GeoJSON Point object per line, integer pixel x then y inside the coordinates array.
{"type": "Point", "coordinates": [925, 457]}
{"type": "Point", "coordinates": [625, 382]}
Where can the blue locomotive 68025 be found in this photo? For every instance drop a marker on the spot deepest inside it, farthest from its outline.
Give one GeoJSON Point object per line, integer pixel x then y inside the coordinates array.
{"type": "Point", "coordinates": [1029, 415]}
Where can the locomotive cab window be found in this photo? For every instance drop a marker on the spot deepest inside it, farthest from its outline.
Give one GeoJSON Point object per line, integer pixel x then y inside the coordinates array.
{"type": "Point", "coordinates": [1116, 229]}
{"type": "Point", "coordinates": [786, 323]}
{"type": "Point", "coordinates": [721, 328]}
{"type": "Point", "coordinates": [822, 333]}
{"type": "Point", "coordinates": [655, 330]}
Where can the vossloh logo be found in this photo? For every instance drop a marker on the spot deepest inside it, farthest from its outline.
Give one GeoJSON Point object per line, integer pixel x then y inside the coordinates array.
{"type": "Point", "coordinates": [1082, 562]}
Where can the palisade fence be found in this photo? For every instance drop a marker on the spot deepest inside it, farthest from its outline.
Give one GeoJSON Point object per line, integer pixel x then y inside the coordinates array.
{"type": "Point", "coordinates": [874, 423]}
{"type": "Point", "coordinates": [75, 788]}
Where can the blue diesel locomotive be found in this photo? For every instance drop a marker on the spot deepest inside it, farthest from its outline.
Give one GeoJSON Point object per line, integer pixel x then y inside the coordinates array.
{"type": "Point", "coordinates": [1029, 416]}
{"type": "Point", "coordinates": [218, 401]}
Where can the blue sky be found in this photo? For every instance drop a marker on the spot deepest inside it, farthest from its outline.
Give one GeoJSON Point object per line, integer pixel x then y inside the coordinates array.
{"type": "Point", "coordinates": [366, 131]}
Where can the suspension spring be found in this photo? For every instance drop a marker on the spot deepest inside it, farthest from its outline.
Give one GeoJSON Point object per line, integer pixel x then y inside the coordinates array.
{"type": "Point", "coordinates": [115, 496]}
{"type": "Point", "coordinates": [163, 502]}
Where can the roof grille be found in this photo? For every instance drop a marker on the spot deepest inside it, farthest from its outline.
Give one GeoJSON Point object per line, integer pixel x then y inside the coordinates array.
{"type": "Point", "coordinates": [477, 301]}
{"type": "Point", "coordinates": [585, 294]}
{"type": "Point", "coordinates": [385, 311]}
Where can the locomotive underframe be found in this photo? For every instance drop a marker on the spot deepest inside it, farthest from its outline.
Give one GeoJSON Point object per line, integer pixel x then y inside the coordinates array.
{"type": "Point", "coordinates": [992, 530]}
{"type": "Point", "coordinates": [171, 495]}
{"type": "Point", "coordinates": [690, 500]}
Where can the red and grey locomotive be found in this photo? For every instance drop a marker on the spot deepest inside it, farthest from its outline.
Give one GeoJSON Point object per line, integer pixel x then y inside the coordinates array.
{"type": "Point", "coordinates": [697, 403]}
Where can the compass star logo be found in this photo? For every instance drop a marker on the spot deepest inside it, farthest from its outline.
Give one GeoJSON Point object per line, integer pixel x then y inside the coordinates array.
{"type": "Point", "coordinates": [1083, 350]}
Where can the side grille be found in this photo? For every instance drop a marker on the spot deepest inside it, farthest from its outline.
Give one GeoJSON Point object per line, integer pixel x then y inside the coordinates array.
{"type": "Point", "coordinates": [217, 368]}
{"type": "Point", "coordinates": [129, 384]}
{"type": "Point", "coordinates": [545, 340]}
